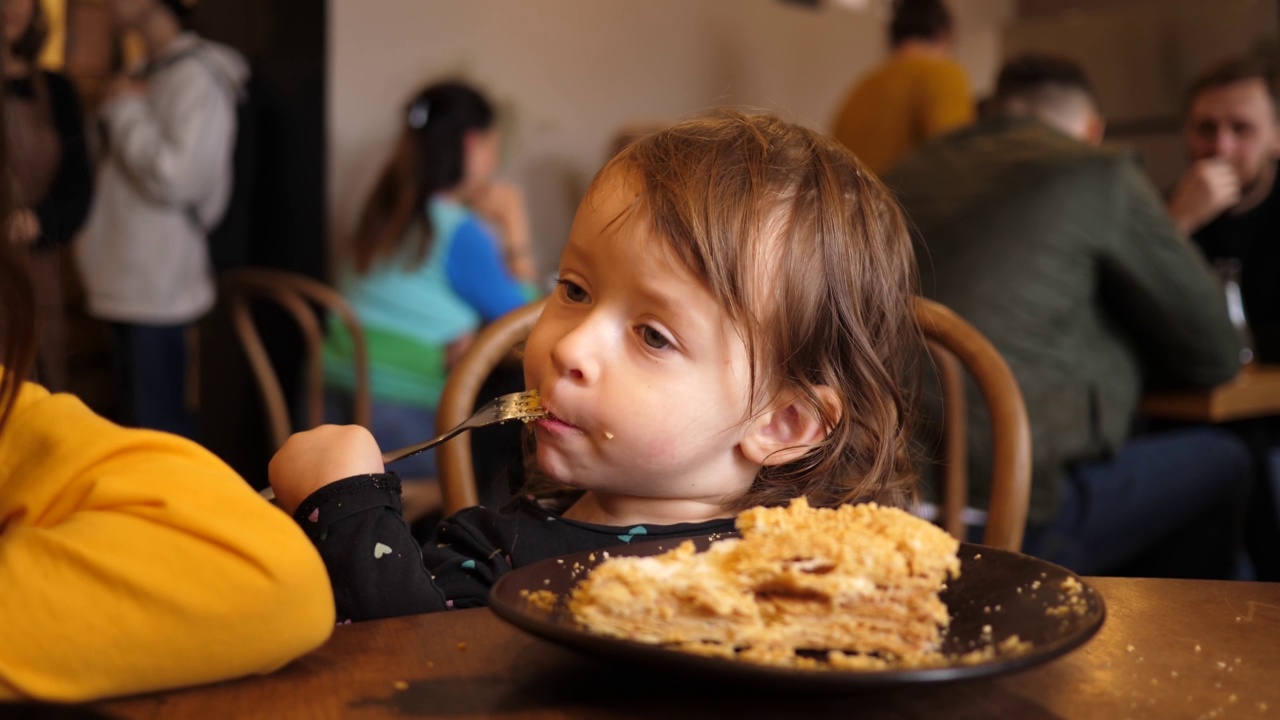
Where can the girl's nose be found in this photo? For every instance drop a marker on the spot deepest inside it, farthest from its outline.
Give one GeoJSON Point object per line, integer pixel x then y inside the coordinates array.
{"type": "Point", "coordinates": [576, 354]}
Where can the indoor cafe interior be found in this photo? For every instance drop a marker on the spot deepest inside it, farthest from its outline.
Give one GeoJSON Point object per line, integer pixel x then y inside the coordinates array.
{"type": "Point", "coordinates": [686, 358]}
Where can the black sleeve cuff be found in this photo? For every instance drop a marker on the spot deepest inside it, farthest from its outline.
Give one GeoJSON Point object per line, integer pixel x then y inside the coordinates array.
{"type": "Point", "coordinates": [350, 496]}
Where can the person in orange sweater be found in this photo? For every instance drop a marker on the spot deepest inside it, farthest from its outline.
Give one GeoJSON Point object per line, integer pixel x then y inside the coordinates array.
{"type": "Point", "coordinates": [131, 560]}
{"type": "Point", "coordinates": [918, 93]}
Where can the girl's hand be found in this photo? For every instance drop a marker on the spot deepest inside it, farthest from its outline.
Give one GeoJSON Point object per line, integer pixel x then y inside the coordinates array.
{"type": "Point", "coordinates": [498, 201]}
{"type": "Point", "coordinates": [502, 204]}
{"type": "Point", "coordinates": [24, 227]}
{"type": "Point", "coordinates": [312, 459]}
{"type": "Point", "coordinates": [123, 86]}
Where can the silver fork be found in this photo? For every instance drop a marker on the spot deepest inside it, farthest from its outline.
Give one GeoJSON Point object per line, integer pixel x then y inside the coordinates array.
{"type": "Point", "coordinates": [524, 406]}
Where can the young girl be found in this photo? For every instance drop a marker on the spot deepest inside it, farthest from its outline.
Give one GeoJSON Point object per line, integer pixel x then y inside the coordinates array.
{"type": "Point", "coordinates": [426, 270]}
{"type": "Point", "coordinates": [732, 327]}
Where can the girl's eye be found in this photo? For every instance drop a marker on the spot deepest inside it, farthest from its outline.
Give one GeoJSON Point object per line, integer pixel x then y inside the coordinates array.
{"type": "Point", "coordinates": [573, 292]}
{"type": "Point", "coordinates": [653, 338]}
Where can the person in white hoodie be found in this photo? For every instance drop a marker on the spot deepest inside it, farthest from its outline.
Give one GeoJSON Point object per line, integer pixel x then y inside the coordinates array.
{"type": "Point", "coordinates": [164, 181]}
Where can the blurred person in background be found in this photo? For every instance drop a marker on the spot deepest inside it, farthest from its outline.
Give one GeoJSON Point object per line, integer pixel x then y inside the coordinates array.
{"type": "Point", "coordinates": [165, 179]}
{"type": "Point", "coordinates": [50, 170]}
{"type": "Point", "coordinates": [918, 93]}
{"type": "Point", "coordinates": [1229, 201]}
{"type": "Point", "coordinates": [1062, 254]}
{"type": "Point", "coordinates": [441, 248]}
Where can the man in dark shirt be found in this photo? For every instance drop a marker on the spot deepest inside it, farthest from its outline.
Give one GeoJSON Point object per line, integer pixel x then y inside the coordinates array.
{"type": "Point", "coordinates": [1228, 199]}
{"type": "Point", "coordinates": [1062, 254]}
{"type": "Point", "coordinates": [1229, 202]}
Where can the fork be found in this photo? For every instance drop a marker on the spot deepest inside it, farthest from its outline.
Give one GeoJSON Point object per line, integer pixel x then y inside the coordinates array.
{"type": "Point", "coordinates": [524, 406]}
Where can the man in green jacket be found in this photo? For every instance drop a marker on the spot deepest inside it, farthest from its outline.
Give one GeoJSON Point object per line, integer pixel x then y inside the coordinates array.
{"type": "Point", "coordinates": [1062, 254]}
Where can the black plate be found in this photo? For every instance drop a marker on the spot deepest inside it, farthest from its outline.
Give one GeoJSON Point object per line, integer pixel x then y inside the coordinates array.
{"type": "Point", "coordinates": [1010, 592]}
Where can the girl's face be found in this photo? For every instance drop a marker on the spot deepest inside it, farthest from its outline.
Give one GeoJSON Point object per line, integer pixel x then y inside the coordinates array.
{"type": "Point", "coordinates": [481, 154]}
{"type": "Point", "coordinates": [17, 17]}
{"type": "Point", "coordinates": [644, 375]}
{"type": "Point", "coordinates": [130, 13]}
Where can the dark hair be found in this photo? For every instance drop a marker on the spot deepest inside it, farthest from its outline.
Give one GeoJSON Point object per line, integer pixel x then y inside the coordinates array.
{"type": "Point", "coordinates": [918, 20]}
{"type": "Point", "coordinates": [428, 158]}
{"type": "Point", "coordinates": [731, 193]}
{"type": "Point", "coordinates": [1029, 73]}
{"type": "Point", "coordinates": [17, 303]}
{"type": "Point", "coordinates": [1232, 71]}
{"type": "Point", "coordinates": [29, 44]}
{"type": "Point", "coordinates": [181, 8]}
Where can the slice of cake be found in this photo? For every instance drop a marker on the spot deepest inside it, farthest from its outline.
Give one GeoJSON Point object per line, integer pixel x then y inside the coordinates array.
{"type": "Point", "coordinates": [857, 579]}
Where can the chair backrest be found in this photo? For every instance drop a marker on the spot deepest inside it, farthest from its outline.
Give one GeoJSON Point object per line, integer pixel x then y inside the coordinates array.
{"type": "Point", "coordinates": [953, 341]}
{"type": "Point", "coordinates": [458, 401]}
{"type": "Point", "coordinates": [297, 295]}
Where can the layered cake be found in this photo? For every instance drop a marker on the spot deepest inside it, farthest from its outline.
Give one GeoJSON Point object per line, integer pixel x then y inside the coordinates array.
{"type": "Point", "coordinates": [855, 580]}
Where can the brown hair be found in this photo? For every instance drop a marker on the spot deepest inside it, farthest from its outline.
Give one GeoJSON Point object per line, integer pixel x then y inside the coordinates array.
{"type": "Point", "coordinates": [17, 304]}
{"type": "Point", "coordinates": [29, 44]}
{"type": "Point", "coordinates": [918, 20]}
{"type": "Point", "coordinates": [730, 193]}
{"type": "Point", "coordinates": [428, 158]}
{"type": "Point", "coordinates": [1232, 71]}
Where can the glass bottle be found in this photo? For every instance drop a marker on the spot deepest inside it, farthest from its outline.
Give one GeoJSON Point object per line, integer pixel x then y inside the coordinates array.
{"type": "Point", "coordinates": [1229, 272]}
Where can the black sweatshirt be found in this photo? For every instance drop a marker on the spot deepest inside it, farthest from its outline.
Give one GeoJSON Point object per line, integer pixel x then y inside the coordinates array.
{"type": "Point", "coordinates": [378, 570]}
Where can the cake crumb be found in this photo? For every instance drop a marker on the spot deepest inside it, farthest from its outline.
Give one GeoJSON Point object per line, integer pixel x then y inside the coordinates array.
{"type": "Point", "coordinates": [400, 685]}
{"type": "Point", "coordinates": [462, 646]}
{"type": "Point", "coordinates": [608, 435]}
{"type": "Point", "coordinates": [541, 599]}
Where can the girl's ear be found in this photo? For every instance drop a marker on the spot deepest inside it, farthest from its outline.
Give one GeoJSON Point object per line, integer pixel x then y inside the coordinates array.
{"type": "Point", "coordinates": [789, 429]}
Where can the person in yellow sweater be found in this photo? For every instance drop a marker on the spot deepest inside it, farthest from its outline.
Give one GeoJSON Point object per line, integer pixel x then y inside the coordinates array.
{"type": "Point", "coordinates": [132, 560]}
{"type": "Point", "coordinates": [918, 93]}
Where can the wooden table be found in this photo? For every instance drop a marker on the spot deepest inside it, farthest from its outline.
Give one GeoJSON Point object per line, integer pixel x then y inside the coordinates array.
{"type": "Point", "coordinates": [1169, 649]}
{"type": "Point", "coordinates": [1255, 392]}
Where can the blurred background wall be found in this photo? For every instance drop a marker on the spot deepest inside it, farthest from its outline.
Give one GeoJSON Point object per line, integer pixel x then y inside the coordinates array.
{"type": "Point", "coordinates": [1142, 55]}
{"type": "Point", "coordinates": [569, 73]}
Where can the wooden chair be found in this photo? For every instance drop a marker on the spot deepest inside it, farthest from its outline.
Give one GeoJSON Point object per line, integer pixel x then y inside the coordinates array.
{"type": "Point", "coordinates": [296, 294]}
{"type": "Point", "coordinates": [490, 347]}
{"type": "Point", "coordinates": [953, 341]}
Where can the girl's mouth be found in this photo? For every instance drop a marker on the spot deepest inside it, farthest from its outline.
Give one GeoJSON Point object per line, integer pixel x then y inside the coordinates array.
{"type": "Point", "coordinates": [552, 422]}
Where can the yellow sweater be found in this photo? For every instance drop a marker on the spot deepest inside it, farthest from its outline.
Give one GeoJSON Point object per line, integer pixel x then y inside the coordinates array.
{"type": "Point", "coordinates": [133, 560]}
{"type": "Point", "coordinates": [902, 103]}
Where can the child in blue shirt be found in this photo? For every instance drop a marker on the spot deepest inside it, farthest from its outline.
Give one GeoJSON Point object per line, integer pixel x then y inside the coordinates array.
{"type": "Point", "coordinates": [427, 267]}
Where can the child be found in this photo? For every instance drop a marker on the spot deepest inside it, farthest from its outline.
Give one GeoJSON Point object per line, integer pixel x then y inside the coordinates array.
{"type": "Point", "coordinates": [732, 327]}
{"type": "Point", "coordinates": [426, 271]}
